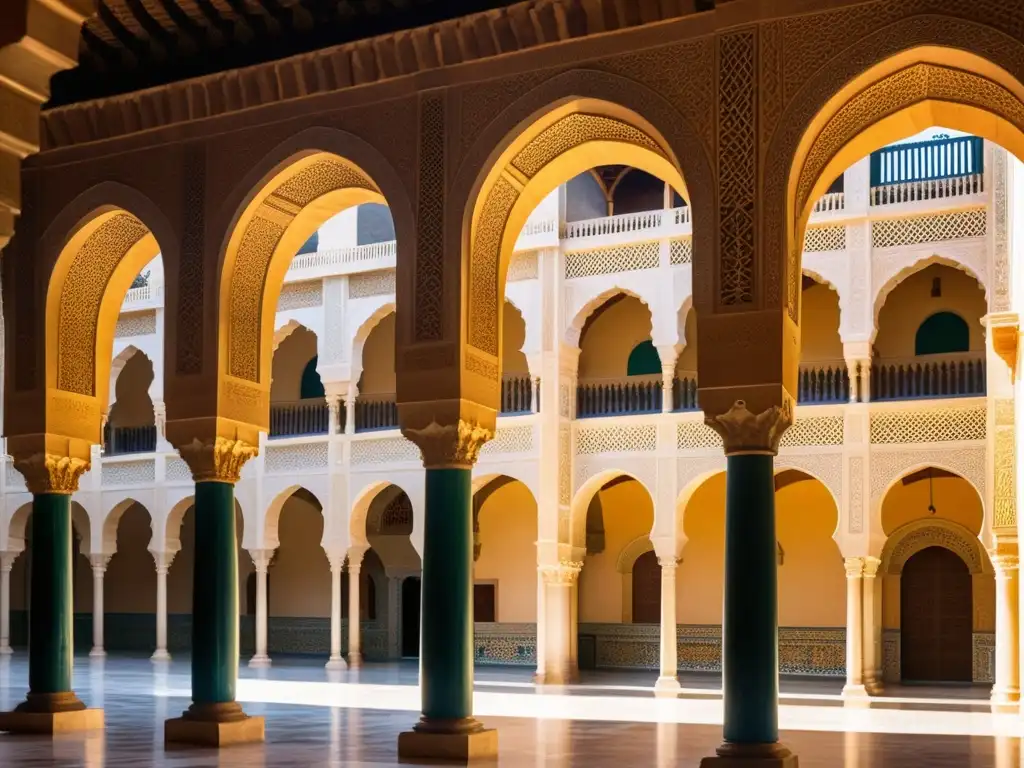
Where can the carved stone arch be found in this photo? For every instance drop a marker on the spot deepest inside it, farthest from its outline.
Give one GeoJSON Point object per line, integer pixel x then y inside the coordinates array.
{"type": "Point", "coordinates": [359, 516]}
{"type": "Point", "coordinates": [907, 540]}
{"type": "Point", "coordinates": [939, 64]}
{"type": "Point", "coordinates": [272, 516]}
{"type": "Point", "coordinates": [629, 554]}
{"type": "Point", "coordinates": [887, 274]}
{"type": "Point", "coordinates": [363, 334]}
{"type": "Point", "coordinates": [172, 525]}
{"type": "Point", "coordinates": [300, 184]}
{"type": "Point", "coordinates": [826, 469]}
{"type": "Point", "coordinates": [286, 330]}
{"type": "Point", "coordinates": [90, 253]}
{"type": "Point", "coordinates": [585, 493]}
{"type": "Point", "coordinates": [113, 520]}
{"type": "Point", "coordinates": [579, 319]}
{"type": "Point", "coordinates": [117, 365]}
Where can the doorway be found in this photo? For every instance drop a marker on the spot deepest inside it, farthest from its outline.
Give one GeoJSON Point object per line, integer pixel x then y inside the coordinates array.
{"type": "Point", "coordinates": [411, 618]}
{"type": "Point", "coordinates": [936, 618]}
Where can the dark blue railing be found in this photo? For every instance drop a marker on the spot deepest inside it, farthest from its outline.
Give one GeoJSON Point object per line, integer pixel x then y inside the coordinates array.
{"type": "Point", "coordinates": [121, 440]}
{"type": "Point", "coordinates": [820, 384]}
{"type": "Point", "coordinates": [516, 395]}
{"type": "Point", "coordinates": [618, 398]}
{"type": "Point", "coordinates": [306, 417]}
{"type": "Point", "coordinates": [684, 394]}
{"type": "Point", "coordinates": [373, 413]}
{"type": "Point", "coordinates": [923, 378]}
{"type": "Point", "coordinates": [928, 160]}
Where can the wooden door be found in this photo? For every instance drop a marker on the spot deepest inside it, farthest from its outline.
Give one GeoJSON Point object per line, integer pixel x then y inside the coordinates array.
{"type": "Point", "coordinates": [647, 589]}
{"type": "Point", "coordinates": [936, 621]}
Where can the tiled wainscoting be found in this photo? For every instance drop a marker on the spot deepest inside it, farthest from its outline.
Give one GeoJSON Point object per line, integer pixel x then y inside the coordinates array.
{"type": "Point", "coordinates": [983, 656]}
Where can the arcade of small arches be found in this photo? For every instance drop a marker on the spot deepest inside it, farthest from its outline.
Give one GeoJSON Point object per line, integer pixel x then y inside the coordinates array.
{"type": "Point", "coordinates": [458, 209]}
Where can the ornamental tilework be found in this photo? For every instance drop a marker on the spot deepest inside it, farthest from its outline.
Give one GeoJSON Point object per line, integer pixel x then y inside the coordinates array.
{"type": "Point", "coordinates": [128, 472]}
{"type": "Point", "coordinates": [504, 643]}
{"type": "Point", "coordinates": [301, 295]}
{"type": "Point", "coordinates": [135, 324]}
{"type": "Point", "coordinates": [296, 458]}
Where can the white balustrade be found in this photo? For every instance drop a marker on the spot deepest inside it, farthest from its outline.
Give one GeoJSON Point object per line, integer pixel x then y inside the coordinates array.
{"type": "Point", "coordinates": [830, 202]}
{"type": "Point", "coordinates": [627, 223]}
{"type": "Point", "coordinates": [341, 256]}
{"type": "Point", "coordinates": [928, 189]}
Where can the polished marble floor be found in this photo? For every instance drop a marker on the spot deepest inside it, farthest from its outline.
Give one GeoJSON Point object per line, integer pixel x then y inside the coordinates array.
{"type": "Point", "coordinates": [320, 718]}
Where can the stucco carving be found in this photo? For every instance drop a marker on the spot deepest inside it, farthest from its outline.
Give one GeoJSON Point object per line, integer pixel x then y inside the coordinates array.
{"type": "Point", "coordinates": [746, 432]}
{"type": "Point", "coordinates": [429, 282]}
{"type": "Point", "coordinates": [81, 295]}
{"type": "Point", "coordinates": [908, 540]}
{"type": "Point", "coordinates": [856, 497]}
{"type": "Point", "coordinates": [47, 473]}
{"type": "Point", "coordinates": [220, 459]}
{"type": "Point", "coordinates": [451, 445]}
{"type": "Point", "coordinates": [889, 466]}
{"type": "Point", "coordinates": [826, 467]}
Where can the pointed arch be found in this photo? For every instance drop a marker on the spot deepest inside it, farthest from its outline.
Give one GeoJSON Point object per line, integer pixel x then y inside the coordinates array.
{"type": "Point", "coordinates": [272, 517]}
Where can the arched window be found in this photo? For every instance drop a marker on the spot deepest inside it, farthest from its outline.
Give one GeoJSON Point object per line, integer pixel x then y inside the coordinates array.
{"type": "Point", "coordinates": [310, 386]}
{"type": "Point", "coordinates": [942, 333]}
{"type": "Point", "coordinates": [643, 360]}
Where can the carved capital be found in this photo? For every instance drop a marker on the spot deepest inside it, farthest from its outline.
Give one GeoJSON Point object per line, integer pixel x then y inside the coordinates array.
{"type": "Point", "coordinates": [1005, 565]}
{"type": "Point", "coordinates": [746, 432]}
{"type": "Point", "coordinates": [667, 563]}
{"type": "Point", "coordinates": [854, 567]}
{"type": "Point", "coordinates": [355, 558]}
{"type": "Point", "coordinates": [563, 574]}
{"type": "Point", "coordinates": [261, 559]}
{"type": "Point", "coordinates": [162, 560]}
{"type": "Point", "coordinates": [99, 562]}
{"type": "Point", "coordinates": [219, 459]}
{"type": "Point", "coordinates": [871, 566]}
{"type": "Point", "coordinates": [1004, 330]}
{"type": "Point", "coordinates": [7, 560]}
{"type": "Point", "coordinates": [452, 446]}
{"type": "Point", "coordinates": [47, 473]}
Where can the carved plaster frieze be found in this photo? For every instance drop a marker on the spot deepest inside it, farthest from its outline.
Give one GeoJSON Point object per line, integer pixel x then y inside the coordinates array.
{"type": "Point", "coordinates": [746, 432]}
{"type": "Point", "coordinates": [47, 473]}
{"type": "Point", "coordinates": [449, 446]}
{"type": "Point", "coordinates": [219, 459]}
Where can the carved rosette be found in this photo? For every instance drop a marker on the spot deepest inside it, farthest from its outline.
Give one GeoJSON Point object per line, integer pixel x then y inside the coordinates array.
{"type": "Point", "coordinates": [220, 459]}
{"type": "Point", "coordinates": [47, 473]}
{"type": "Point", "coordinates": [451, 446]}
{"type": "Point", "coordinates": [746, 432]}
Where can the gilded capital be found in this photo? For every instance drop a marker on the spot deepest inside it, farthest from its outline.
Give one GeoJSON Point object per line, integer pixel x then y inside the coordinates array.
{"type": "Point", "coordinates": [47, 473]}
{"type": "Point", "coordinates": [219, 459]}
{"type": "Point", "coordinates": [452, 446]}
{"type": "Point", "coordinates": [746, 432]}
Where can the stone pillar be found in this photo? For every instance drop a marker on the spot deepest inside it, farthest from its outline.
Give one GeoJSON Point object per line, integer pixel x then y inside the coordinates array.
{"type": "Point", "coordinates": [1006, 690]}
{"type": "Point", "coordinates": [872, 619]}
{"type": "Point", "coordinates": [447, 727]}
{"type": "Point", "coordinates": [668, 682]}
{"type": "Point", "coordinates": [215, 718]}
{"type": "Point", "coordinates": [162, 560]}
{"type": "Point", "coordinates": [333, 414]}
{"type": "Point", "coordinates": [6, 563]}
{"type": "Point", "coordinates": [261, 561]}
{"type": "Point", "coordinates": [854, 628]}
{"type": "Point", "coordinates": [669, 354]}
{"type": "Point", "coordinates": [51, 705]}
{"type": "Point", "coordinates": [560, 582]}
{"type": "Point", "coordinates": [538, 676]}
{"type": "Point", "coordinates": [160, 421]}
{"type": "Point", "coordinates": [335, 661]}
{"type": "Point", "coordinates": [350, 410]}
{"type": "Point", "coordinates": [865, 381]}
{"type": "Point", "coordinates": [750, 649]}
{"type": "Point", "coordinates": [355, 644]}
{"type": "Point", "coordinates": [99, 568]}
{"type": "Point", "coordinates": [535, 394]}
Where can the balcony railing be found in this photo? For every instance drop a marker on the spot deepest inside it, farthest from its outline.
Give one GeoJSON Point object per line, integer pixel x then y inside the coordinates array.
{"type": "Point", "coordinates": [340, 256]}
{"type": "Point", "coordinates": [823, 383]}
{"type": "Point", "coordinates": [684, 393]}
{"type": "Point", "coordinates": [937, 158]}
{"type": "Point", "coordinates": [618, 397]}
{"type": "Point", "coordinates": [305, 417]}
{"type": "Point", "coordinates": [118, 441]}
{"type": "Point", "coordinates": [927, 189]}
{"type": "Point", "coordinates": [961, 375]}
{"type": "Point", "coordinates": [516, 395]}
{"type": "Point", "coordinates": [376, 412]}
{"type": "Point", "coordinates": [830, 202]}
{"type": "Point", "coordinates": [627, 222]}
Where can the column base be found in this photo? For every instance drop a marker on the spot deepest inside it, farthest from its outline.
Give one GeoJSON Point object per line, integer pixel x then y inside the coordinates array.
{"type": "Point", "coordinates": [874, 687]}
{"type": "Point", "coordinates": [51, 713]}
{"type": "Point", "coordinates": [97, 653]}
{"type": "Point", "coordinates": [6, 650]}
{"type": "Point", "coordinates": [213, 725]}
{"type": "Point", "coordinates": [556, 678]}
{"type": "Point", "coordinates": [355, 660]}
{"type": "Point", "coordinates": [667, 687]}
{"type": "Point", "coordinates": [160, 655]}
{"type": "Point", "coordinates": [749, 755]}
{"type": "Point", "coordinates": [260, 661]}
{"type": "Point", "coordinates": [459, 741]}
{"type": "Point", "coordinates": [1005, 700]}
{"type": "Point", "coordinates": [336, 663]}
{"type": "Point", "coordinates": [854, 692]}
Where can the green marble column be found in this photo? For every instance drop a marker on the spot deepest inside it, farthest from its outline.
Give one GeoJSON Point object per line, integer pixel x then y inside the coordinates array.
{"type": "Point", "coordinates": [51, 610]}
{"type": "Point", "coordinates": [446, 663]}
{"type": "Point", "coordinates": [215, 604]}
{"type": "Point", "coordinates": [750, 656]}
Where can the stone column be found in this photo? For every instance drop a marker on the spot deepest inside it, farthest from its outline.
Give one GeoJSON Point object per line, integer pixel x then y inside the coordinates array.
{"type": "Point", "coordinates": [99, 568]}
{"type": "Point", "coordinates": [350, 410]}
{"type": "Point", "coordinates": [559, 632]}
{"type": "Point", "coordinates": [6, 563]}
{"type": "Point", "coordinates": [1006, 690]}
{"type": "Point", "coordinates": [669, 354]}
{"type": "Point", "coordinates": [447, 727]}
{"type": "Point", "coordinates": [872, 618]}
{"type": "Point", "coordinates": [750, 650]}
{"type": "Point", "coordinates": [538, 676]}
{"type": "Point", "coordinates": [261, 561]}
{"type": "Point", "coordinates": [865, 381]}
{"type": "Point", "coordinates": [333, 414]}
{"type": "Point", "coordinates": [215, 717]}
{"type": "Point", "coordinates": [336, 661]}
{"type": "Point", "coordinates": [162, 560]}
{"type": "Point", "coordinates": [668, 682]}
{"type": "Point", "coordinates": [51, 705]}
{"type": "Point", "coordinates": [355, 643]}
{"type": "Point", "coordinates": [535, 394]}
{"type": "Point", "coordinates": [854, 628]}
